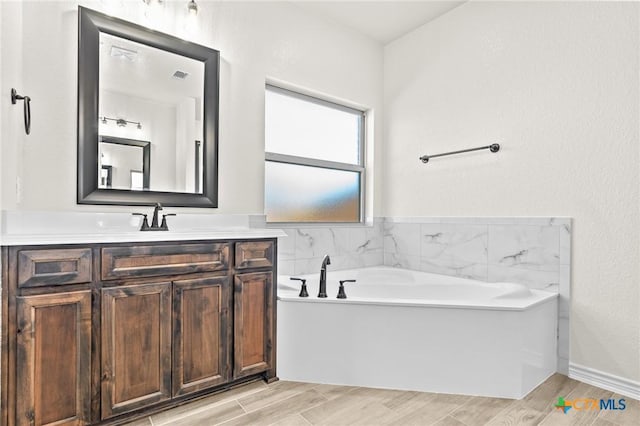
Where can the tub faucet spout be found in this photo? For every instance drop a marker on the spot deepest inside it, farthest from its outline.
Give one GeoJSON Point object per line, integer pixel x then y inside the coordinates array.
{"type": "Point", "coordinates": [323, 276]}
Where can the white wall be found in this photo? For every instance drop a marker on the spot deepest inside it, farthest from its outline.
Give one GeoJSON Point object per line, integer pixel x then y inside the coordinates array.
{"type": "Point", "coordinates": [257, 41]}
{"type": "Point", "coordinates": [158, 121]}
{"type": "Point", "coordinates": [556, 83]}
{"type": "Point", "coordinates": [123, 160]}
{"type": "Point", "coordinates": [11, 125]}
{"type": "Point", "coordinates": [186, 134]}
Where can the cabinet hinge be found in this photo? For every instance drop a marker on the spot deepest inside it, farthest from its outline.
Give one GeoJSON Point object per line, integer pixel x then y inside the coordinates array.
{"type": "Point", "coordinates": [31, 416]}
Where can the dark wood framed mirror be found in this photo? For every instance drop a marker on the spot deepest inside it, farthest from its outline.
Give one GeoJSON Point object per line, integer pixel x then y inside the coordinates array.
{"type": "Point", "coordinates": [134, 79]}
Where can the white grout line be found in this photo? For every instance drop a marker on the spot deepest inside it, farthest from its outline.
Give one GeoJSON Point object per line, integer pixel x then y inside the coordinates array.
{"type": "Point", "coordinates": [241, 406]}
{"type": "Point", "coordinates": [459, 407]}
{"type": "Point", "coordinates": [213, 404]}
{"type": "Point", "coordinates": [276, 402]}
{"type": "Point", "coordinates": [454, 409]}
{"type": "Point", "coordinates": [305, 419]}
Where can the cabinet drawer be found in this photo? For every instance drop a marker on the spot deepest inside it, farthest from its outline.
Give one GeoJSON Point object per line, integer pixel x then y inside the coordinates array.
{"type": "Point", "coordinates": [254, 254]}
{"type": "Point", "coordinates": [37, 268]}
{"type": "Point", "coordinates": [170, 259]}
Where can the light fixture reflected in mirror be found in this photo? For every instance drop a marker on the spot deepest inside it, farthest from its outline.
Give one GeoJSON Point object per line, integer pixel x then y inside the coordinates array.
{"type": "Point", "coordinates": [121, 122]}
{"type": "Point", "coordinates": [191, 21]}
{"type": "Point", "coordinates": [192, 8]}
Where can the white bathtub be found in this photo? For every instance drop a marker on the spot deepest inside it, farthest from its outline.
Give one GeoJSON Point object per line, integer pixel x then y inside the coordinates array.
{"type": "Point", "coordinates": [409, 330]}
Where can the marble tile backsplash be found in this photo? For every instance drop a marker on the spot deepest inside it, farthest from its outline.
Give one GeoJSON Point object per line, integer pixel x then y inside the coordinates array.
{"type": "Point", "coordinates": [301, 252]}
{"type": "Point", "coordinates": [484, 249]}
{"type": "Point", "coordinates": [532, 251]}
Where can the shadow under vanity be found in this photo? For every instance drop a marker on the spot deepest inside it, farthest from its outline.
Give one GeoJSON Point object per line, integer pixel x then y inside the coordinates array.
{"type": "Point", "coordinates": [103, 333]}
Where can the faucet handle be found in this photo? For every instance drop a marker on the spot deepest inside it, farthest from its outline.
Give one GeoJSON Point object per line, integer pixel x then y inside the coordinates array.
{"type": "Point", "coordinates": [145, 223]}
{"type": "Point", "coordinates": [303, 290]}
{"type": "Point", "coordinates": [341, 293]}
{"type": "Point", "coordinates": [164, 225]}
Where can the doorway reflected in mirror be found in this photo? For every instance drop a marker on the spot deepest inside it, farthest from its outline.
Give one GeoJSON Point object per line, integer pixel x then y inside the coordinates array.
{"type": "Point", "coordinates": [119, 158]}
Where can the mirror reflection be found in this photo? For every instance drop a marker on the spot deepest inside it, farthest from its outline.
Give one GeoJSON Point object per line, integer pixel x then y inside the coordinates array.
{"type": "Point", "coordinates": [153, 97]}
{"type": "Point", "coordinates": [123, 164]}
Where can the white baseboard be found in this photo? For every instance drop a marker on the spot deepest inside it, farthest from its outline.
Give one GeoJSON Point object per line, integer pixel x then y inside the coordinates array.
{"type": "Point", "coordinates": [604, 380]}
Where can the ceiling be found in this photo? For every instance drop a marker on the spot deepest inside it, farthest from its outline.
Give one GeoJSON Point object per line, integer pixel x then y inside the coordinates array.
{"type": "Point", "coordinates": [148, 74]}
{"type": "Point", "coordinates": [383, 21]}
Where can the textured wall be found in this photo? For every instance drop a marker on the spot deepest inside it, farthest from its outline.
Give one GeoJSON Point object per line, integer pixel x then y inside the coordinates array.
{"type": "Point", "coordinates": [556, 83]}
{"type": "Point", "coordinates": [257, 41]}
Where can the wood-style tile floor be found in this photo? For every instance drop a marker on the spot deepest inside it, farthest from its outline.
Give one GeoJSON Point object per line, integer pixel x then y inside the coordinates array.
{"type": "Point", "coordinates": [290, 403]}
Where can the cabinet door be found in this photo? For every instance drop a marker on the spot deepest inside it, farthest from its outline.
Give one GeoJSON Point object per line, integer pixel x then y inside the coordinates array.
{"type": "Point", "coordinates": [54, 359]}
{"type": "Point", "coordinates": [253, 315]}
{"type": "Point", "coordinates": [136, 347]}
{"type": "Point", "coordinates": [201, 334]}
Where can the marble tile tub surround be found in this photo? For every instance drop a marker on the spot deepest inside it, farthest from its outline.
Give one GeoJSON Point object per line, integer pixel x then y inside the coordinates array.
{"type": "Point", "coordinates": [531, 251]}
{"type": "Point", "coordinates": [535, 251]}
{"type": "Point", "coordinates": [302, 250]}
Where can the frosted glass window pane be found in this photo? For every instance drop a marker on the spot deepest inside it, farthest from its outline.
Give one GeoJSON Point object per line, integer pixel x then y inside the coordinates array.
{"type": "Point", "coordinates": [296, 193]}
{"type": "Point", "coordinates": [303, 128]}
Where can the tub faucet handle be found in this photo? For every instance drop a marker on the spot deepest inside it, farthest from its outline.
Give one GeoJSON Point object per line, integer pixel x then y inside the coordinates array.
{"type": "Point", "coordinates": [303, 290]}
{"type": "Point", "coordinates": [341, 293]}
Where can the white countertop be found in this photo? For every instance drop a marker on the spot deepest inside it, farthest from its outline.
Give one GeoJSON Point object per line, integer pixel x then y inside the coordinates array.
{"type": "Point", "coordinates": [121, 237]}
{"type": "Point", "coordinates": [40, 228]}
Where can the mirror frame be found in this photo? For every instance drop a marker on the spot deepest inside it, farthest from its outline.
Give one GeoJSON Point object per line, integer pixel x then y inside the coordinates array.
{"type": "Point", "coordinates": [146, 154]}
{"type": "Point", "coordinates": [91, 24]}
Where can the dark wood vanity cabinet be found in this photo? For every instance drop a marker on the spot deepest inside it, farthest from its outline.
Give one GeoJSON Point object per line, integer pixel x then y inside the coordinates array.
{"type": "Point", "coordinates": [102, 333]}
{"type": "Point", "coordinates": [53, 359]}
{"type": "Point", "coordinates": [201, 333]}
{"type": "Point", "coordinates": [253, 317]}
{"type": "Point", "coordinates": [136, 347]}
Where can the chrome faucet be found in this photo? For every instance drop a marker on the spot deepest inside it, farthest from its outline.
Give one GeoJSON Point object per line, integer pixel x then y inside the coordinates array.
{"type": "Point", "coordinates": [323, 276]}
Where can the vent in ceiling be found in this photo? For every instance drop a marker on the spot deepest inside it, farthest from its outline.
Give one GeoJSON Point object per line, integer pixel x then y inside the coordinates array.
{"type": "Point", "coordinates": [180, 74]}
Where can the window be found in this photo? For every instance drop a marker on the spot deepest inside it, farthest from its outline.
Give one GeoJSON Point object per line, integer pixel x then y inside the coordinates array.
{"type": "Point", "coordinates": [314, 159]}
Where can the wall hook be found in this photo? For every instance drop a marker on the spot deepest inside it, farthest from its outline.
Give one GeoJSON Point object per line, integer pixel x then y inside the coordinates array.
{"type": "Point", "coordinates": [27, 108]}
